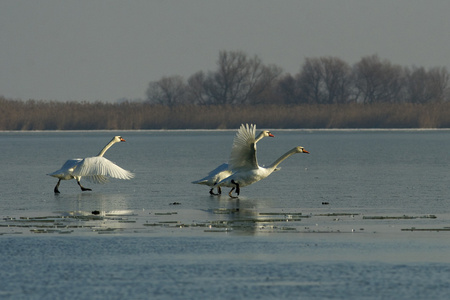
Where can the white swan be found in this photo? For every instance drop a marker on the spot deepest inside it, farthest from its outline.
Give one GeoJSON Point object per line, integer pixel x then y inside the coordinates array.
{"type": "Point", "coordinates": [96, 169]}
{"type": "Point", "coordinates": [247, 174]}
{"type": "Point", "coordinates": [244, 147]}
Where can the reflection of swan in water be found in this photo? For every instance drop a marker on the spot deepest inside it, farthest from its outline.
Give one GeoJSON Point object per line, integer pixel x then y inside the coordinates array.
{"type": "Point", "coordinates": [95, 201]}
{"type": "Point", "coordinates": [96, 211]}
{"type": "Point", "coordinates": [111, 213]}
{"type": "Point", "coordinates": [96, 169]}
{"type": "Point", "coordinates": [243, 149]}
{"type": "Point", "coordinates": [249, 217]}
{"type": "Point", "coordinates": [249, 173]}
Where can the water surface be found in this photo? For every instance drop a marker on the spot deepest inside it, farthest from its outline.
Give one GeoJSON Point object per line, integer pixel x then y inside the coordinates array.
{"type": "Point", "coordinates": [365, 215]}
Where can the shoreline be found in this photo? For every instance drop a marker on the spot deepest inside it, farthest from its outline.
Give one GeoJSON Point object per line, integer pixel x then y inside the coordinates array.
{"type": "Point", "coordinates": [231, 130]}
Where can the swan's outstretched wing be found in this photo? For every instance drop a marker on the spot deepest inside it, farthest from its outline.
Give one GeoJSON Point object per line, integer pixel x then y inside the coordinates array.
{"type": "Point", "coordinates": [97, 179]}
{"type": "Point", "coordinates": [243, 152]}
{"type": "Point", "coordinates": [98, 168]}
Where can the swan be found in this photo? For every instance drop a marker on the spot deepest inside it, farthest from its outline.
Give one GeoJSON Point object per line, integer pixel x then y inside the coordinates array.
{"type": "Point", "coordinates": [247, 174]}
{"type": "Point", "coordinates": [96, 169]}
{"type": "Point", "coordinates": [242, 149]}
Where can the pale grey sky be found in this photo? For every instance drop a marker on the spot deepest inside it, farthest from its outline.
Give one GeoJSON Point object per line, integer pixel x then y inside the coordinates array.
{"type": "Point", "coordinates": [89, 50]}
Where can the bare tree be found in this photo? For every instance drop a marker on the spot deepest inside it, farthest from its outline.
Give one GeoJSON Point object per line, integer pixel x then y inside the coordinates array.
{"type": "Point", "coordinates": [261, 82]}
{"type": "Point", "coordinates": [337, 80]}
{"type": "Point", "coordinates": [286, 89]}
{"type": "Point", "coordinates": [223, 86]}
{"type": "Point", "coordinates": [239, 79]}
{"type": "Point", "coordinates": [378, 81]}
{"type": "Point", "coordinates": [167, 91]}
{"type": "Point", "coordinates": [438, 83]}
{"type": "Point", "coordinates": [310, 81]}
{"type": "Point", "coordinates": [196, 89]}
{"type": "Point", "coordinates": [424, 86]}
{"type": "Point", "coordinates": [325, 80]}
{"type": "Point", "coordinates": [416, 86]}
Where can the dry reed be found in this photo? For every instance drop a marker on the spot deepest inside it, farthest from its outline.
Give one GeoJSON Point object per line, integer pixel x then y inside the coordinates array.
{"type": "Point", "coordinates": [51, 115]}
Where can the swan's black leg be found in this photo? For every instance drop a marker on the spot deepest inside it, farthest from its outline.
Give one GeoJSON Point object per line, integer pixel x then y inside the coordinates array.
{"type": "Point", "coordinates": [82, 187]}
{"type": "Point", "coordinates": [219, 191]}
{"type": "Point", "coordinates": [56, 187]}
{"type": "Point", "coordinates": [238, 189]}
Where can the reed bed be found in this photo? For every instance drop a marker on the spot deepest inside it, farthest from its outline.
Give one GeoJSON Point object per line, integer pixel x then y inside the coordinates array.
{"type": "Point", "coordinates": [52, 115]}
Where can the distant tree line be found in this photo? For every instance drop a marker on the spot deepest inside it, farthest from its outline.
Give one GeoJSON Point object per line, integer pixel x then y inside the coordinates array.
{"type": "Point", "coordinates": [240, 79]}
{"type": "Point", "coordinates": [326, 93]}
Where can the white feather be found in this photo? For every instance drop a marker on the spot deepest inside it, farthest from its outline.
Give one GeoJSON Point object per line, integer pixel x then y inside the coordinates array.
{"type": "Point", "coordinates": [243, 152]}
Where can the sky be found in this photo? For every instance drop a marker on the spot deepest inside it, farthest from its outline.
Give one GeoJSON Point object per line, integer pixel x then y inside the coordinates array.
{"type": "Point", "coordinates": [105, 50]}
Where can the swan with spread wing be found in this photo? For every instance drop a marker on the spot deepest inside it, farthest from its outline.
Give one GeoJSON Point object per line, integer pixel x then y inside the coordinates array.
{"type": "Point", "coordinates": [244, 164]}
{"type": "Point", "coordinates": [96, 169]}
{"type": "Point", "coordinates": [239, 149]}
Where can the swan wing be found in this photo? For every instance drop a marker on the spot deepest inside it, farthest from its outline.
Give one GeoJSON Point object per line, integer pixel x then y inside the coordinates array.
{"type": "Point", "coordinates": [243, 152]}
{"type": "Point", "coordinates": [215, 175]}
{"type": "Point", "coordinates": [221, 168]}
{"type": "Point", "coordinates": [98, 179]}
{"type": "Point", "coordinates": [67, 168]}
{"type": "Point", "coordinates": [97, 168]}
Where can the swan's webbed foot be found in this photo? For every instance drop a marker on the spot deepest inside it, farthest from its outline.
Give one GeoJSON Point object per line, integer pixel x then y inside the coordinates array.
{"type": "Point", "coordinates": [83, 188]}
{"type": "Point", "coordinates": [212, 193]}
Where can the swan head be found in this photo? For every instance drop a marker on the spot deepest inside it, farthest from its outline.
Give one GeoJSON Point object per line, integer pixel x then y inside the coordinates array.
{"type": "Point", "coordinates": [267, 133]}
{"type": "Point", "coordinates": [118, 139]}
{"type": "Point", "coordinates": [300, 149]}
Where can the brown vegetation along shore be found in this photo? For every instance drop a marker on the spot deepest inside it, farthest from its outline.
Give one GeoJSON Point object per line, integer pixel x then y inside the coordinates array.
{"type": "Point", "coordinates": [50, 115]}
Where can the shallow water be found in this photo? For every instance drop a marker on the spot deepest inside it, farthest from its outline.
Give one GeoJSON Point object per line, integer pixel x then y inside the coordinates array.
{"type": "Point", "coordinates": [365, 215]}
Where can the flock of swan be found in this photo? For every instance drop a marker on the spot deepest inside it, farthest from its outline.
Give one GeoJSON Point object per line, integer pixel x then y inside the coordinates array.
{"type": "Point", "coordinates": [241, 170]}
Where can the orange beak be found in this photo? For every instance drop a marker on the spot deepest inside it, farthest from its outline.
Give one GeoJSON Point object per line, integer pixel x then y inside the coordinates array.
{"type": "Point", "coordinates": [304, 151]}
{"type": "Point", "coordinates": [271, 135]}
{"type": "Point", "coordinates": [122, 140]}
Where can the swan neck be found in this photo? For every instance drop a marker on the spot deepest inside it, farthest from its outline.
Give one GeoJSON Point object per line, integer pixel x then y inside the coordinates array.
{"type": "Point", "coordinates": [259, 137]}
{"type": "Point", "coordinates": [283, 157]}
{"type": "Point", "coordinates": [102, 152]}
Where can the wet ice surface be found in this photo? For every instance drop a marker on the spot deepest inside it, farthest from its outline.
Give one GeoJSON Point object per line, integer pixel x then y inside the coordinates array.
{"type": "Point", "coordinates": [233, 221]}
{"type": "Point", "coordinates": [225, 253]}
{"type": "Point", "coordinates": [365, 215]}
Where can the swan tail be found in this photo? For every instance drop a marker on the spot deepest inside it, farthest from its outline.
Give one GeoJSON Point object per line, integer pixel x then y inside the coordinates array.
{"type": "Point", "coordinates": [67, 169]}
{"type": "Point", "coordinates": [201, 181]}
{"type": "Point", "coordinates": [218, 173]}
